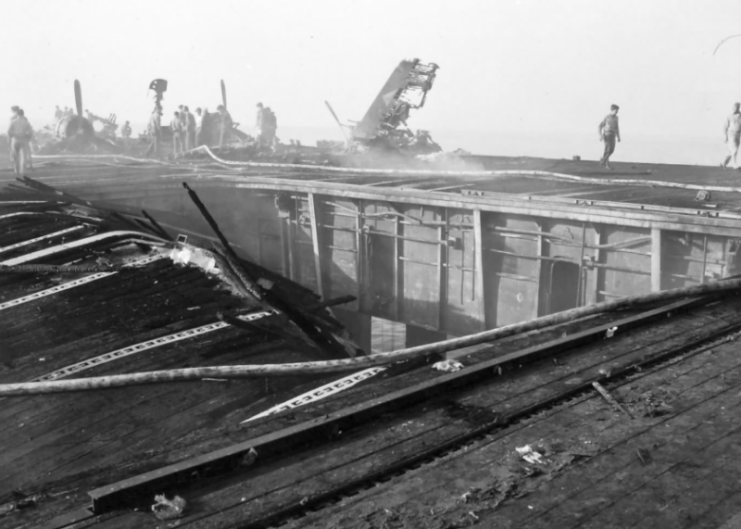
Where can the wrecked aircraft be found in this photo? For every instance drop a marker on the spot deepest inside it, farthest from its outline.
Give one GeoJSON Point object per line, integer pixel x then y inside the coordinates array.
{"type": "Point", "coordinates": [76, 132]}
{"type": "Point", "coordinates": [384, 125]}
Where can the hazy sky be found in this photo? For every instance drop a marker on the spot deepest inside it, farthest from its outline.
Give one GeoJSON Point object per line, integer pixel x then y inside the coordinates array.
{"type": "Point", "coordinates": [505, 65]}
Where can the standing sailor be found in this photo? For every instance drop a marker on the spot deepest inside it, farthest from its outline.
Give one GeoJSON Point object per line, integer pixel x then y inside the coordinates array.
{"type": "Point", "coordinates": [176, 125]}
{"type": "Point", "coordinates": [732, 129]}
{"type": "Point", "coordinates": [260, 124]}
{"type": "Point", "coordinates": [269, 126]}
{"type": "Point", "coordinates": [126, 131]}
{"type": "Point", "coordinates": [154, 129]}
{"type": "Point", "coordinates": [609, 131]}
{"type": "Point", "coordinates": [20, 134]}
{"type": "Point", "coordinates": [190, 129]}
{"type": "Point", "coordinates": [226, 125]}
{"type": "Point", "coordinates": [199, 127]}
{"type": "Point", "coordinates": [13, 116]}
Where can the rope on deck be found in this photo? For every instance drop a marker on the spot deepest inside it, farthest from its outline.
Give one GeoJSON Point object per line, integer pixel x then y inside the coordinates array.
{"type": "Point", "coordinates": [361, 362]}
{"type": "Point", "coordinates": [546, 175]}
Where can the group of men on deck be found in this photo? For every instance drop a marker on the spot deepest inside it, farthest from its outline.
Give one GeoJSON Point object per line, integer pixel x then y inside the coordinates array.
{"type": "Point", "coordinates": [188, 130]}
{"type": "Point", "coordinates": [183, 126]}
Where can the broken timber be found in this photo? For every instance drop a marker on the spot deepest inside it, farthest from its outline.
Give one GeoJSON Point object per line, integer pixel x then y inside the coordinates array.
{"type": "Point", "coordinates": [316, 333]}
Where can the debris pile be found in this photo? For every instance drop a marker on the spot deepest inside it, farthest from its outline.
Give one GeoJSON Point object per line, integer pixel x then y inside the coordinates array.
{"type": "Point", "coordinates": [165, 509]}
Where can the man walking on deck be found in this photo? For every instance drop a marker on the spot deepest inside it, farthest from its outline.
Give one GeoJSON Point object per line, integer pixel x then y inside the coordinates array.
{"type": "Point", "coordinates": [609, 132]}
{"type": "Point", "coordinates": [732, 129]}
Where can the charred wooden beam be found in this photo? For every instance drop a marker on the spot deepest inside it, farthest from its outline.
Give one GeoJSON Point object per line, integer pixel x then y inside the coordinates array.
{"type": "Point", "coordinates": [211, 222]}
{"type": "Point", "coordinates": [234, 280]}
{"type": "Point", "coordinates": [310, 325]}
{"type": "Point", "coordinates": [35, 184]}
{"type": "Point", "coordinates": [254, 327]}
{"type": "Point", "coordinates": [332, 303]}
{"type": "Point", "coordinates": [161, 231]}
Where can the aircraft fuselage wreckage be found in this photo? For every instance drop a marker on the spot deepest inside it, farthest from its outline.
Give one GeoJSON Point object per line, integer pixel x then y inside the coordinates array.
{"type": "Point", "coordinates": [385, 123]}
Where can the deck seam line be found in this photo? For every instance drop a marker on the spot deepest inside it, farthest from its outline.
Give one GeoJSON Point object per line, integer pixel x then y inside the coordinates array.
{"type": "Point", "coordinates": [145, 346]}
{"type": "Point", "coordinates": [37, 239]}
{"type": "Point", "coordinates": [71, 284]}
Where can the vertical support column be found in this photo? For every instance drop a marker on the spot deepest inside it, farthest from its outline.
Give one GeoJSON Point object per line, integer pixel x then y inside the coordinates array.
{"type": "Point", "coordinates": [285, 260]}
{"type": "Point", "coordinates": [359, 255]}
{"type": "Point", "coordinates": [655, 259]}
{"type": "Point", "coordinates": [539, 309]}
{"type": "Point", "coordinates": [478, 239]}
{"type": "Point", "coordinates": [398, 270]}
{"type": "Point", "coordinates": [704, 258]}
{"type": "Point", "coordinates": [582, 279]}
{"type": "Point", "coordinates": [293, 241]}
{"type": "Point", "coordinates": [442, 275]}
{"type": "Point", "coordinates": [594, 291]}
{"type": "Point", "coordinates": [317, 242]}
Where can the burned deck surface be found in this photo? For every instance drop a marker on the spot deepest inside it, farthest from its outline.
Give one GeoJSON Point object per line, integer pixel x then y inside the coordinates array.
{"type": "Point", "coordinates": [672, 463]}
{"type": "Point", "coordinates": [123, 307]}
{"type": "Point", "coordinates": [665, 459]}
{"type": "Point", "coordinates": [445, 458]}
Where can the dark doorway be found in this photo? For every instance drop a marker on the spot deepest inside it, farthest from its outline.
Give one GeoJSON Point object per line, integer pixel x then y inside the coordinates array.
{"type": "Point", "coordinates": [563, 286]}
